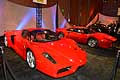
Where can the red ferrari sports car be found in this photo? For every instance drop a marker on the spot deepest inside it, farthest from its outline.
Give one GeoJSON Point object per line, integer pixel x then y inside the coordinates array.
{"type": "Point", "coordinates": [87, 36]}
{"type": "Point", "coordinates": [44, 51]}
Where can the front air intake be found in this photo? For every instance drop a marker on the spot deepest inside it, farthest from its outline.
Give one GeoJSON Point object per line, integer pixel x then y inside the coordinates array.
{"type": "Point", "coordinates": [64, 69]}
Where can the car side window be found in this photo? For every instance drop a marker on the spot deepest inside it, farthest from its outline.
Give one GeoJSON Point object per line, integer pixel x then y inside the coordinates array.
{"type": "Point", "coordinates": [70, 29]}
{"type": "Point", "coordinates": [79, 30]}
{"type": "Point", "coordinates": [87, 31]}
{"type": "Point", "coordinates": [26, 34]}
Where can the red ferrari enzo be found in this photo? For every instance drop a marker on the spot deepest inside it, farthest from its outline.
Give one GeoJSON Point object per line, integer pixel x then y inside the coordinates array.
{"type": "Point", "coordinates": [44, 51]}
{"type": "Point", "coordinates": [87, 36]}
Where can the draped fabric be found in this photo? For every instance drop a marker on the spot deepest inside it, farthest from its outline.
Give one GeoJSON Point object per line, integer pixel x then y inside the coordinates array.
{"type": "Point", "coordinates": [103, 19]}
{"type": "Point", "coordinates": [95, 19]}
{"type": "Point", "coordinates": [107, 19]}
{"type": "Point", "coordinates": [14, 16]}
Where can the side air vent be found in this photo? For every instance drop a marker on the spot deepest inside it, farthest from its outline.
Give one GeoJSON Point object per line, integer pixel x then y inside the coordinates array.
{"type": "Point", "coordinates": [12, 38]}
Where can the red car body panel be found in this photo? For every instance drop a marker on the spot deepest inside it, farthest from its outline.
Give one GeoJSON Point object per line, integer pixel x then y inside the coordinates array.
{"type": "Point", "coordinates": [104, 40]}
{"type": "Point", "coordinates": [64, 51]}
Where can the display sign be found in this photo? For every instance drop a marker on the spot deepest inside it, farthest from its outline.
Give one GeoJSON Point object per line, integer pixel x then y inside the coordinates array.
{"type": "Point", "coordinates": [40, 1]}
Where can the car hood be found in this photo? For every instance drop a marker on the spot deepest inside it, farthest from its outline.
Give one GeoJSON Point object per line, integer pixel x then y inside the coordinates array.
{"type": "Point", "coordinates": [104, 36]}
{"type": "Point", "coordinates": [64, 51]}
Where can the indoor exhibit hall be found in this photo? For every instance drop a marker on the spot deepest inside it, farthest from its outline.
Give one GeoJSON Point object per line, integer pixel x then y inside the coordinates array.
{"type": "Point", "coordinates": [59, 39]}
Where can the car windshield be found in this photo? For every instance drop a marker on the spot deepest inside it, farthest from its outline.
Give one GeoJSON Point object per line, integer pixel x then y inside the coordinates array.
{"type": "Point", "coordinates": [81, 30]}
{"type": "Point", "coordinates": [43, 36]}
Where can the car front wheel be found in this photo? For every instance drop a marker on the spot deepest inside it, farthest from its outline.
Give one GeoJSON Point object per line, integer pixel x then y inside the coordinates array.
{"type": "Point", "coordinates": [30, 59]}
{"type": "Point", "coordinates": [92, 42]}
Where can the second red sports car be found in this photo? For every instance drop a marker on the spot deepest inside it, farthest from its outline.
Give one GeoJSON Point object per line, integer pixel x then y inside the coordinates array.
{"type": "Point", "coordinates": [86, 36]}
{"type": "Point", "coordinates": [43, 50]}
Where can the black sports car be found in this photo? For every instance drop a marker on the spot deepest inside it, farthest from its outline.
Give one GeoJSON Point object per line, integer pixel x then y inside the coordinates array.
{"type": "Point", "coordinates": [98, 28]}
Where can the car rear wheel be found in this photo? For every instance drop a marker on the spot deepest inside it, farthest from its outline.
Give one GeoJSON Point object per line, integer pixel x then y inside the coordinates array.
{"type": "Point", "coordinates": [30, 59]}
{"type": "Point", "coordinates": [92, 42]}
{"type": "Point", "coordinates": [5, 41]}
{"type": "Point", "coordinates": [60, 35]}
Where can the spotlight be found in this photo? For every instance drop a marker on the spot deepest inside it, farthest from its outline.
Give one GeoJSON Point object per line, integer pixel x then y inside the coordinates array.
{"type": "Point", "coordinates": [26, 19]}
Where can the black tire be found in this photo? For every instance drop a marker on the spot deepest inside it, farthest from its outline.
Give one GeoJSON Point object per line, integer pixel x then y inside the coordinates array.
{"type": "Point", "coordinates": [92, 43]}
{"type": "Point", "coordinates": [30, 59]}
{"type": "Point", "coordinates": [61, 35]}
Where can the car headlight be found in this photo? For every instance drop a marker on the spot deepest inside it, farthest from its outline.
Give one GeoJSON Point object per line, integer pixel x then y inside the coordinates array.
{"type": "Point", "coordinates": [46, 55]}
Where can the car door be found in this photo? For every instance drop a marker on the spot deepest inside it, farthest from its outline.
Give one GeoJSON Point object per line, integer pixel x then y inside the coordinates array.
{"type": "Point", "coordinates": [20, 44]}
{"type": "Point", "coordinates": [71, 34]}
{"type": "Point", "coordinates": [78, 35]}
